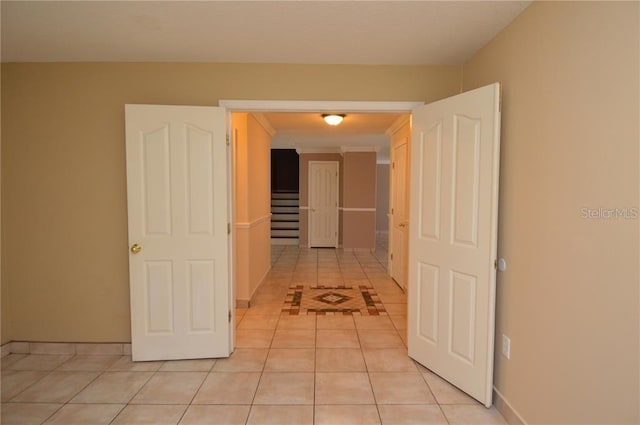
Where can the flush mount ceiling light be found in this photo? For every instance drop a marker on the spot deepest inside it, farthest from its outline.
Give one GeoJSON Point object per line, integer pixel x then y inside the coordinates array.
{"type": "Point", "coordinates": [333, 119]}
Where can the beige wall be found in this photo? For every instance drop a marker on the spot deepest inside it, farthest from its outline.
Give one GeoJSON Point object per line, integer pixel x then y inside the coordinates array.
{"type": "Point", "coordinates": [570, 139]}
{"type": "Point", "coordinates": [359, 230]}
{"type": "Point", "coordinates": [359, 191]}
{"type": "Point", "coordinates": [252, 205]}
{"type": "Point", "coordinates": [382, 197]}
{"type": "Point", "coordinates": [64, 238]}
{"type": "Point", "coordinates": [359, 186]}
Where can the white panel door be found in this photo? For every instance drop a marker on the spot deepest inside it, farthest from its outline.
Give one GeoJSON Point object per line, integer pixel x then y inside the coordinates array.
{"type": "Point", "coordinates": [177, 207]}
{"type": "Point", "coordinates": [455, 155]}
{"type": "Point", "coordinates": [399, 210]}
{"type": "Point", "coordinates": [323, 204]}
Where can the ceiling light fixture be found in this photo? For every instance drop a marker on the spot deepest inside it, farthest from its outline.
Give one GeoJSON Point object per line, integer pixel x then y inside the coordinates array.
{"type": "Point", "coordinates": [333, 119]}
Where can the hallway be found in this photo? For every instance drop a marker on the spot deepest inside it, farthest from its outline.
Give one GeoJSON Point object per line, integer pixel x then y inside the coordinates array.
{"type": "Point", "coordinates": [317, 368]}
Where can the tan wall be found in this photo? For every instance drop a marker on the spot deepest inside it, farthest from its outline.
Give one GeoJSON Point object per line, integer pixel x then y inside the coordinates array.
{"type": "Point", "coordinates": [259, 170]}
{"type": "Point", "coordinates": [359, 191]}
{"type": "Point", "coordinates": [359, 184]}
{"type": "Point", "coordinates": [359, 230]}
{"type": "Point", "coordinates": [63, 171]}
{"type": "Point", "coordinates": [252, 204]}
{"type": "Point", "coordinates": [382, 197]}
{"type": "Point", "coordinates": [570, 130]}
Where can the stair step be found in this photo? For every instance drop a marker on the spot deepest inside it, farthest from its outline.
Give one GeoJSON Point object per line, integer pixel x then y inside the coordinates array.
{"type": "Point", "coordinates": [284, 202]}
{"type": "Point", "coordinates": [285, 233]}
{"type": "Point", "coordinates": [277, 225]}
{"type": "Point", "coordinates": [285, 195]}
{"type": "Point", "coordinates": [284, 210]}
{"type": "Point", "coordinates": [285, 241]}
{"type": "Point", "coordinates": [284, 217]}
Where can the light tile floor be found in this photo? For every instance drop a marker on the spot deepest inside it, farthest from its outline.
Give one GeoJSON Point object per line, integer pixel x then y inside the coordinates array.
{"type": "Point", "coordinates": [332, 369]}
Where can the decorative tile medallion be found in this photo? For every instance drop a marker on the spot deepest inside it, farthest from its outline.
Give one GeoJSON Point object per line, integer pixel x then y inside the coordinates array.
{"type": "Point", "coordinates": [303, 300]}
{"type": "Point", "coordinates": [332, 298]}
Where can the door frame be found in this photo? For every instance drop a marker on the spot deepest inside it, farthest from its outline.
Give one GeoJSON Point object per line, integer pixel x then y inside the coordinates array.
{"type": "Point", "coordinates": [256, 105]}
{"type": "Point", "coordinates": [337, 198]}
{"type": "Point", "coordinates": [239, 105]}
{"type": "Point", "coordinates": [391, 133]}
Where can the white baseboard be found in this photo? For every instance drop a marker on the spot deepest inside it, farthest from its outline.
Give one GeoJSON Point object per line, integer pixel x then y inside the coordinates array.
{"type": "Point", "coordinates": [506, 409]}
{"type": "Point", "coordinates": [80, 348]}
{"type": "Point", "coordinates": [244, 303]}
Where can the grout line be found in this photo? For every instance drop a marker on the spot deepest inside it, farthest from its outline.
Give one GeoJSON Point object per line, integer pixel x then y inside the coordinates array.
{"type": "Point", "coordinates": [307, 255]}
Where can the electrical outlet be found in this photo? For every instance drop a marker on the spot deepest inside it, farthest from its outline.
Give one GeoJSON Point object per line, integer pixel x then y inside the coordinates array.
{"type": "Point", "coordinates": [506, 346]}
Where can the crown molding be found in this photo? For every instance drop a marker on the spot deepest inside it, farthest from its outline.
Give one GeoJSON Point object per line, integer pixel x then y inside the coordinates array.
{"type": "Point", "coordinates": [264, 122]}
{"type": "Point", "coordinates": [317, 106]}
{"type": "Point", "coordinates": [318, 150]}
{"type": "Point", "coordinates": [344, 149]}
{"type": "Point", "coordinates": [397, 125]}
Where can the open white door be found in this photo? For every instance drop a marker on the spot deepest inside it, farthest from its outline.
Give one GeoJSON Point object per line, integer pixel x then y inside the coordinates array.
{"type": "Point", "coordinates": [455, 155]}
{"type": "Point", "coordinates": [178, 246]}
{"type": "Point", "coordinates": [323, 204]}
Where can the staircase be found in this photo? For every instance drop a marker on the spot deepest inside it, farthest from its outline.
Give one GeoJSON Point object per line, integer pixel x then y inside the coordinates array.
{"type": "Point", "coordinates": [285, 218]}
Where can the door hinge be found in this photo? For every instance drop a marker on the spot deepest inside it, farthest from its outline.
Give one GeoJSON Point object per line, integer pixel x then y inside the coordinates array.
{"type": "Point", "coordinates": [393, 165]}
{"type": "Point", "coordinates": [392, 255]}
{"type": "Point", "coordinates": [495, 264]}
{"type": "Point", "coordinates": [391, 210]}
{"type": "Point", "coordinates": [229, 316]}
{"type": "Point", "coordinates": [228, 140]}
{"type": "Point", "coordinates": [228, 228]}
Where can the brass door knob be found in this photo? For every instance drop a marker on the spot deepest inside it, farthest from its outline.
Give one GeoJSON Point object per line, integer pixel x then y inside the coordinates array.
{"type": "Point", "coordinates": [135, 248]}
{"type": "Point", "coordinates": [402, 225]}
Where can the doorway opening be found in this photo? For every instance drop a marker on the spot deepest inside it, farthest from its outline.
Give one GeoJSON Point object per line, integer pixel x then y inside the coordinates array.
{"type": "Point", "coordinates": [357, 214]}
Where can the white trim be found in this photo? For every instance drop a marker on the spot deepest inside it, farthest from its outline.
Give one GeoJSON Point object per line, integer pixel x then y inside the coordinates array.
{"type": "Point", "coordinates": [317, 106]}
{"type": "Point", "coordinates": [300, 151]}
{"type": "Point", "coordinates": [357, 209]}
{"type": "Point", "coordinates": [82, 348]}
{"type": "Point", "coordinates": [252, 297]}
{"type": "Point", "coordinates": [383, 162]}
{"type": "Point", "coordinates": [398, 124]}
{"type": "Point", "coordinates": [505, 408]}
{"type": "Point", "coordinates": [359, 149]}
{"type": "Point", "coordinates": [264, 122]}
{"type": "Point", "coordinates": [254, 223]}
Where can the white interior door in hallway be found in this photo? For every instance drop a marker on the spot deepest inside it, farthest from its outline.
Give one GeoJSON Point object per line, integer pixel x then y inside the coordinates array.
{"type": "Point", "coordinates": [455, 151]}
{"type": "Point", "coordinates": [399, 223]}
{"type": "Point", "coordinates": [323, 204]}
{"type": "Point", "coordinates": [178, 215]}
